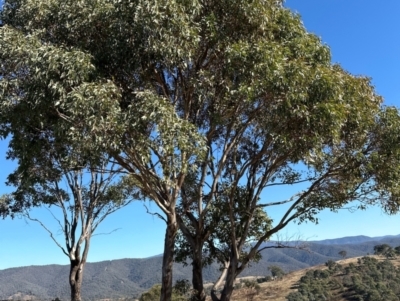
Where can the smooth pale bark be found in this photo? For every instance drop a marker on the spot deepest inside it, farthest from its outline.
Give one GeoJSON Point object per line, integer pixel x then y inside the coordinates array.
{"type": "Point", "coordinates": [218, 283]}
{"type": "Point", "coordinates": [229, 282]}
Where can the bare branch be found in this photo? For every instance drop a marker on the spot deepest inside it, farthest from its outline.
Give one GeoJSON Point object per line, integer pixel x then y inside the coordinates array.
{"type": "Point", "coordinates": [107, 233]}
{"type": "Point", "coordinates": [290, 242]}
{"type": "Point", "coordinates": [282, 246]}
{"type": "Point", "coordinates": [155, 213]}
{"type": "Point", "coordinates": [275, 203]}
{"type": "Point", "coordinates": [291, 183]}
{"type": "Point", "coordinates": [280, 202]}
{"type": "Point", "coordinates": [47, 229]}
{"type": "Point", "coordinates": [58, 221]}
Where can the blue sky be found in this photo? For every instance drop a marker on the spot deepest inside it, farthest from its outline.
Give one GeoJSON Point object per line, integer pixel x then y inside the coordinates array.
{"type": "Point", "coordinates": [364, 37]}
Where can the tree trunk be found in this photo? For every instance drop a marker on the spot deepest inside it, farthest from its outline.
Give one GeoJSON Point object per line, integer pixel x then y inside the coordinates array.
{"type": "Point", "coordinates": [168, 257]}
{"type": "Point", "coordinates": [221, 278]}
{"type": "Point", "coordinates": [196, 243]}
{"type": "Point", "coordinates": [75, 279]}
{"type": "Point", "coordinates": [228, 288]}
{"type": "Point", "coordinates": [197, 275]}
{"type": "Point", "coordinates": [229, 281]}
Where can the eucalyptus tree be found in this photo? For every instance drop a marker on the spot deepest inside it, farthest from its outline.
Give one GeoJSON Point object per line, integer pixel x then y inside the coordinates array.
{"type": "Point", "coordinates": [236, 94]}
{"type": "Point", "coordinates": [90, 66]}
{"type": "Point", "coordinates": [276, 112]}
{"type": "Point", "coordinates": [79, 194]}
{"type": "Point", "coordinates": [53, 171]}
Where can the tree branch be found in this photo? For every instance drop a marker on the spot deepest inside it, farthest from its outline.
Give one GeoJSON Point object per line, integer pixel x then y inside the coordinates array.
{"type": "Point", "coordinates": [107, 233]}
{"type": "Point", "coordinates": [51, 233]}
{"type": "Point", "coordinates": [155, 214]}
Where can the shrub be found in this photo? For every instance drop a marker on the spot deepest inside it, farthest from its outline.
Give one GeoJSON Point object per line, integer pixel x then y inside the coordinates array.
{"type": "Point", "coordinates": [276, 271]}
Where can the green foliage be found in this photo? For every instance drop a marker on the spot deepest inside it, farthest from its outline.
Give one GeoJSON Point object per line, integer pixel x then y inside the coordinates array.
{"type": "Point", "coordinates": [251, 284]}
{"type": "Point", "coordinates": [314, 286]}
{"type": "Point", "coordinates": [4, 206]}
{"type": "Point", "coordinates": [332, 265]}
{"type": "Point", "coordinates": [368, 280]}
{"type": "Point", "coordinates": [276, 271]}
{"type": "Point", "coordinates": [297, 296]}
{"type": "Point", "coordinates": [152, 294]}
{"type": "Point", "coordinates": [385, 250]}
{"type": "Point", "coordinates": [182, 287]}
{"type": "Point", "coordinates": [264, 279]}
{"type": "Point", "coordinates": [343, 253]}
{"type": "Point", "coordinates": [180, 292]}
{"type": "Point", "coordinates": [226, 97]}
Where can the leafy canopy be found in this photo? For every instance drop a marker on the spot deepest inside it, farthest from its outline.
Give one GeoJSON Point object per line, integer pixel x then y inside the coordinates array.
{"type": "Point", "coordinates": [229, 97]}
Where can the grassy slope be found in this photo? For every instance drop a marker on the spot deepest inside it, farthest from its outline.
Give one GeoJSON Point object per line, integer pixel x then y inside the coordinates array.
{"type": "Point", "coordinates": [278, 290]}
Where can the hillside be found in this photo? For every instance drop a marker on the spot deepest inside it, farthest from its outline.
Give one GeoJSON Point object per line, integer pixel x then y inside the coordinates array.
{"type": "Point", "coordinates": [339, 286]}
{"type": "Point", "coordinates": [128, 278]}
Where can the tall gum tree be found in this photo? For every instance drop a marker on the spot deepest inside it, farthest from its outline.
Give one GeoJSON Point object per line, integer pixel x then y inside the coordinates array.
{"type": "Point", "coordinates": [277, 112]}
{"type": "Point", "coordinates": [110, 98]}
{"type": "Point", "coordinates": [78, 194]}
{"type": "Point", "coordinates": [65, 172]}
{"type": "Point", "coordinates": [235, 92]}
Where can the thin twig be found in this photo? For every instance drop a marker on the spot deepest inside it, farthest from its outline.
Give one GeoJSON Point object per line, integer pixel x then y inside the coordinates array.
{"type": "Point", "coordinates": [107, 232]}
{"type": "Point", "coordinates": [155, 213]}
{"type": "Point", "coordinates": [51, 233]}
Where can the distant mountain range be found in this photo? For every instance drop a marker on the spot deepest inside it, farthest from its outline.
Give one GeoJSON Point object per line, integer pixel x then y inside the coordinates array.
{"type": "Point", "coordinates": [355, 239]}
{"type": "Point", "coordinates": [128, 278]}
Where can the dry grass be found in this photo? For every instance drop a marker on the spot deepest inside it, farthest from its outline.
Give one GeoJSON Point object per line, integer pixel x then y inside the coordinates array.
{"type": "Point", "coordinates": [279, 289]}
